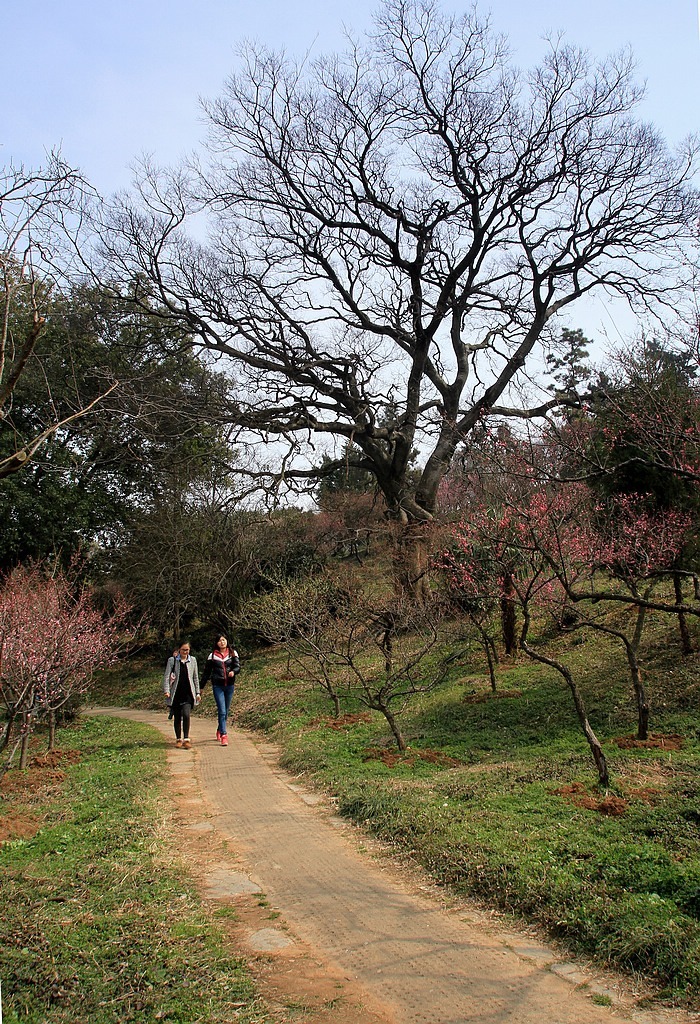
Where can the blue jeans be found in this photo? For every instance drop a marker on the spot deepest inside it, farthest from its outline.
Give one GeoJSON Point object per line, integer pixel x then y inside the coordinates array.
{"type": "Point", "coordinates": [222, 696]}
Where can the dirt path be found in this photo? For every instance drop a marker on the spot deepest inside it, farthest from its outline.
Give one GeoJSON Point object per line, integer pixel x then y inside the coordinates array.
{"type": "Point", "coordinates": [340, 933]}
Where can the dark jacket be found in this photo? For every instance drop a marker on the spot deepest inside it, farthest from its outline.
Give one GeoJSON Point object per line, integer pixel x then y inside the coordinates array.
{"type": "Point", "coordinates": [218, 669]}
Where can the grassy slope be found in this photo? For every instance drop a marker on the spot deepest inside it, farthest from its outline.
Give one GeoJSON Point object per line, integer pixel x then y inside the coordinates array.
{"type": "Point", "coordinates": [101, 922]}
{"type": "Point", "coordinates": [136, 683]}
{"type": "Point", "coordinates": [497, 795]}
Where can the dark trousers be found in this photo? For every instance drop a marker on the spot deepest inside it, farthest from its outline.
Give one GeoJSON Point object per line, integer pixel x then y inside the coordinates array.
{"type": "Point", "coordinates": [181, 719]}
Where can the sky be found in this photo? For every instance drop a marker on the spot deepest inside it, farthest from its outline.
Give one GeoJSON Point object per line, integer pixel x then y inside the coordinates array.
{"type": "Point", "coordinates": [110, 82]}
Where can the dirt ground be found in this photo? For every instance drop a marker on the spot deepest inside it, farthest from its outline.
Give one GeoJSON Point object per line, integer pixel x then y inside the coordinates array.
{"type": "Point", "coordinates": [31, 791]}
{"type": "Point", "coordinates": [293, 979]}
{"type": "Point", "coordinates": [336, 930]}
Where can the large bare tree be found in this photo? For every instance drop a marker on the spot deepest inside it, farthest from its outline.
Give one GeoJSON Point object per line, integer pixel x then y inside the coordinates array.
{"type": "Point", "coordinates": [393, 231]}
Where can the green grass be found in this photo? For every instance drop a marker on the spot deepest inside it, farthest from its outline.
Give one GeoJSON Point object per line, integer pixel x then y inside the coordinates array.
{"type": "Point", "coordinates": [101, 921]}
{"type": "Point", "coordinates": [600, 999]}
{"type": "Point", "coordinates": [497, 794]}
{"type": "Point", "coordinates": [505, 821]}
{"type": "Point", "coordinates": [133, 683]}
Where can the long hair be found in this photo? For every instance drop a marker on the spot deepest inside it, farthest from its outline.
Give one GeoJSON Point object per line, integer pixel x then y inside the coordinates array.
{"type": "Point", "coordinates": [221, 636]}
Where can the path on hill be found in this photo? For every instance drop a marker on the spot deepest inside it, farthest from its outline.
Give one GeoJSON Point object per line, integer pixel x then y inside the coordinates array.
{"type": "Point", "coordinates": [403, 954]}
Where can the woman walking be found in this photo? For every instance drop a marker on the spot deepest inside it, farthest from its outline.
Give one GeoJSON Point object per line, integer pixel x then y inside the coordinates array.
{"type": "Point", "coordinates": [181, 686]}
{"type": "Point", "coordinates": [222, 667]}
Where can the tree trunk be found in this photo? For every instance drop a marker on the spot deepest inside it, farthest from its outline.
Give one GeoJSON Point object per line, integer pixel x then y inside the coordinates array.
{"type": "Point", "coordinates": [636, 676]}
{"type": "Point", "coordinates": [326, 684]}
{"type": "Point", "coordinates": [490, 652]}
{"type": "Point", "coordinates": [394, 726]}
{"type": "Point", "coordinates": [489, 659]}
{"type": "Point", "coordinates": [639, 693]}
{"type": "Point", "coordinates": [686, 642]}
{"type": "Point", "coordinates": [6, 731]}
{"type": "Point", "coordinates": [387, 646]}
{"type": "Point", "coordinates": [631, 647]}
{"type": "Point", "coordinates": [591, 738]}
{"type": "Point", "coordinates": [52, 729]}
{"type": "Point", "coordinates": [639, 626]}
{"type": "Point", "coordinates": [7, 763]}
{"type": "Point", "coordinates": [510, 641]}
{"type": "Point", "coordinates": [411, 561]}
{"type": "Point", "coordinates": [24, 748]}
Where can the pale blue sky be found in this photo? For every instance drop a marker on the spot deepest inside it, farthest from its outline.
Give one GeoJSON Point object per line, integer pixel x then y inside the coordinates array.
{"type": "Point", "coordinates": [109, 81]}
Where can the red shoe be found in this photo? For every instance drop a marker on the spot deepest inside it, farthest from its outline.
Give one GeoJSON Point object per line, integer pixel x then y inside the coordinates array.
{"type": "Point", "coordinates": [224, 740]}
{"type": "Point", "coordinates": [218, 735]}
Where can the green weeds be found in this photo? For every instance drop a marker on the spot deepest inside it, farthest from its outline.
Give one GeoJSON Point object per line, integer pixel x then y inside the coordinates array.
{"type": "Point", "coordinates": [496, 797]}
{"type": "Point", "coordinates": [101, 921]}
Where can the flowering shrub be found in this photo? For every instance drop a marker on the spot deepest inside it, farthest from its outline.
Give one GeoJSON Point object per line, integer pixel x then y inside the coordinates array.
{"type": "Point", "coordinates": [52, 641]}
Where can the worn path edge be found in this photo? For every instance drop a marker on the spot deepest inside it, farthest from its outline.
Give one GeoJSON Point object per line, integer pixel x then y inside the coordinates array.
{"type": "Point", "coordinates": [420, 961]}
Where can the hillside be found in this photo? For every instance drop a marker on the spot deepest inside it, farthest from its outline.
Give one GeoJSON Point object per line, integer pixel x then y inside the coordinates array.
{"type": "Point", "coordinates": [496, 794]}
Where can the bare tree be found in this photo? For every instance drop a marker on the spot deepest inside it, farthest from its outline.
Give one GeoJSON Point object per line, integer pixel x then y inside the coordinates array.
{"type": "Point", "coordinates": [394, 230]}
{"type": "Point", "coordinates": [300, 615]}
{"type": "Point", "coordinates": [41, 214]}
{"type": "Point", "coordinates": [357, 648]}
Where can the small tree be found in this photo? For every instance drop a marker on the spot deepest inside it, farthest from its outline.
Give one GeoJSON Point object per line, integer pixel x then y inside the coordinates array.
{"type": "Point", "coordinates": [569, 366]}
{"type": "Point", "coordinates": [646, 435]}
{"type": "Point", "coordinates": [533, 585]}
{"type": "Point", "coordinates": [613, 553]}
{"type": "Point", "coordinates": [296, 613]}
{"type": "Point", "coordinates": [602, 550]}
{"type": "Point", "coordinates": [52, 641]}
{"type": "Point", "coordinates": [357, 648]}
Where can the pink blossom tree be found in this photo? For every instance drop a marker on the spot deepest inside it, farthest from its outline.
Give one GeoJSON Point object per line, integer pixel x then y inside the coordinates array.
{"type": "Point", "coordinates": [516, 568]}
{"type": "Point", "coordinates": [557, 548]}
{"type": "Point", "coordinates": [52, 641]}
{"type": "Point", "coordinates": [612, 553]}
{"type": "Point", "coordinates": [639, 433]}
